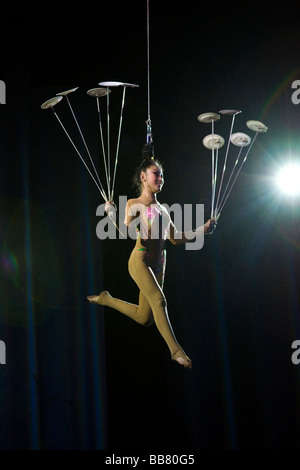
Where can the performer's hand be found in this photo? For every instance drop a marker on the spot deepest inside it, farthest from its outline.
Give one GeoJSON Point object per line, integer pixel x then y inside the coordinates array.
{"type": "Point", "coordinates": [110, 208]}
{"type": "Point", "coordinates": [210, 226]}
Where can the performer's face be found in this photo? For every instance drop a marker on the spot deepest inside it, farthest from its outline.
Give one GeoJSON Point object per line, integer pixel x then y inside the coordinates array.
{"type": "Point", "coordinates": [153, 178]}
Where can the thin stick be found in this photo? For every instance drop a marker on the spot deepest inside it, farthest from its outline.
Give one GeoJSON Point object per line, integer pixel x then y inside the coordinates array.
{"type": "Point", "coordinates": [238, 172]}
{"type": "Point", "coordinates": [102, 142]}
{"type": "Point", "coordinates": [108, 144]}
{"type": "Point", "coordinates": [118, 144]}
{"type": "Point", "coordinates": [213, 171]}
{"type": "Point", "coordinates": [215, 181]}
{"type": "Point", "coordinates": [225, 162]}
{"type": "Point", "coordinates": [101, 192]}
{"type": "Point", "coordinates": [85, 144]}
{"type": "Point", "coordinates": [229, 179]}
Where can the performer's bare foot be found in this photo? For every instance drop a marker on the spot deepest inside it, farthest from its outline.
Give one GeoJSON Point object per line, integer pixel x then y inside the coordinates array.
{"type": "Point", "coordinates": [93, 299]}
{"type": "Point", "coordinates": [98, 299]}
{"type": "Point", "coordinates": [182, 359]}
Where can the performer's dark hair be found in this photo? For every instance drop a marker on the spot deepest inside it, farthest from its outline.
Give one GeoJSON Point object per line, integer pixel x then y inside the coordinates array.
{"type": "Point", "coordinates": [148, 160]}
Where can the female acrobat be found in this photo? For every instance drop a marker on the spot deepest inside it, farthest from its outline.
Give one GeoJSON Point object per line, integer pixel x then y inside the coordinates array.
{"type": "Point", "coordinates": [153, 226]}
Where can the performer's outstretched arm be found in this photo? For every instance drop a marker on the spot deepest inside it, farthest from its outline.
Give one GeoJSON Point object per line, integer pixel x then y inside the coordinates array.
{"type": "Point", "coordinates": [178, 238]}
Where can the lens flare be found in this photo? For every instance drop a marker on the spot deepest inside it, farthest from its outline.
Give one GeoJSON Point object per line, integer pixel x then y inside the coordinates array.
{"type": "Point", "coordinates": [288, 180]}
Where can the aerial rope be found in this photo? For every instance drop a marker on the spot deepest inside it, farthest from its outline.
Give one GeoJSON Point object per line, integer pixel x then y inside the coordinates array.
{"type": "Point", "coordinates": [148, 149]}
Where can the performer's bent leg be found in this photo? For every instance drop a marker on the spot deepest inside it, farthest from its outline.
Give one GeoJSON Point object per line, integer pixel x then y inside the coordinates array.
{"type": "Point", "coordinates": [152, 303]}
{"type": "Point", "coordinates": [141, 313]}
{"type": "Point", "coordinates": [146, 281]}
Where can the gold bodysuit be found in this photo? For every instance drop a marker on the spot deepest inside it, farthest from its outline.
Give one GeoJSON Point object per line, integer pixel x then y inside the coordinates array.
{"type": "Point", "coordinates": [152, 226]}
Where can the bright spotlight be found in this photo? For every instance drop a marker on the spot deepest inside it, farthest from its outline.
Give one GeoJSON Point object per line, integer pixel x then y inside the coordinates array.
{"type": "Point", "coordinates": [288, 179]}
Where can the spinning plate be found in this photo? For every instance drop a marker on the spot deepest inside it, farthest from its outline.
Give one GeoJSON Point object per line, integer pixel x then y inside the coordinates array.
{"type": "Point", "coordinates": [52, 102]}
{"type": "Point", "coordinates": [64, 93]}
{"type": "Point", "coordinates": [113, 84]}
{"type": "Point", "coordinates": [240, 139]}
{"type": "Point", "coordinates": [208, 117]}
{"type": "Point", "coordinates": [229, 112]}
{"type": "Point", "coordinates": [213, 141]}
{"type": "Point", "coordinates": [256, 126]}
{"type": "Point", "coordinates": [98, 92]}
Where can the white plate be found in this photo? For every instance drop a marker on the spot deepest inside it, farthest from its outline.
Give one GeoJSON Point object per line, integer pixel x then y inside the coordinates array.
{"type": "Point", "coordinates": [213, 141]}
{"type": "Point", "coordinates": [240, 139]}
{"type": "Point", "coordinates": [229, 112]}
{"type": "Point", "coordinates": [98, 92]}
{"type": "Point", "coordinates": [256, 126]}
{"type": "Point", "coordinates": [64, 93]}
{"type": "Point", "coordinates": [208, 117]}
{"type": "Point", "coordinates": [113, 84]}
{"type": "Point", "coordinates": [52, 102]}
